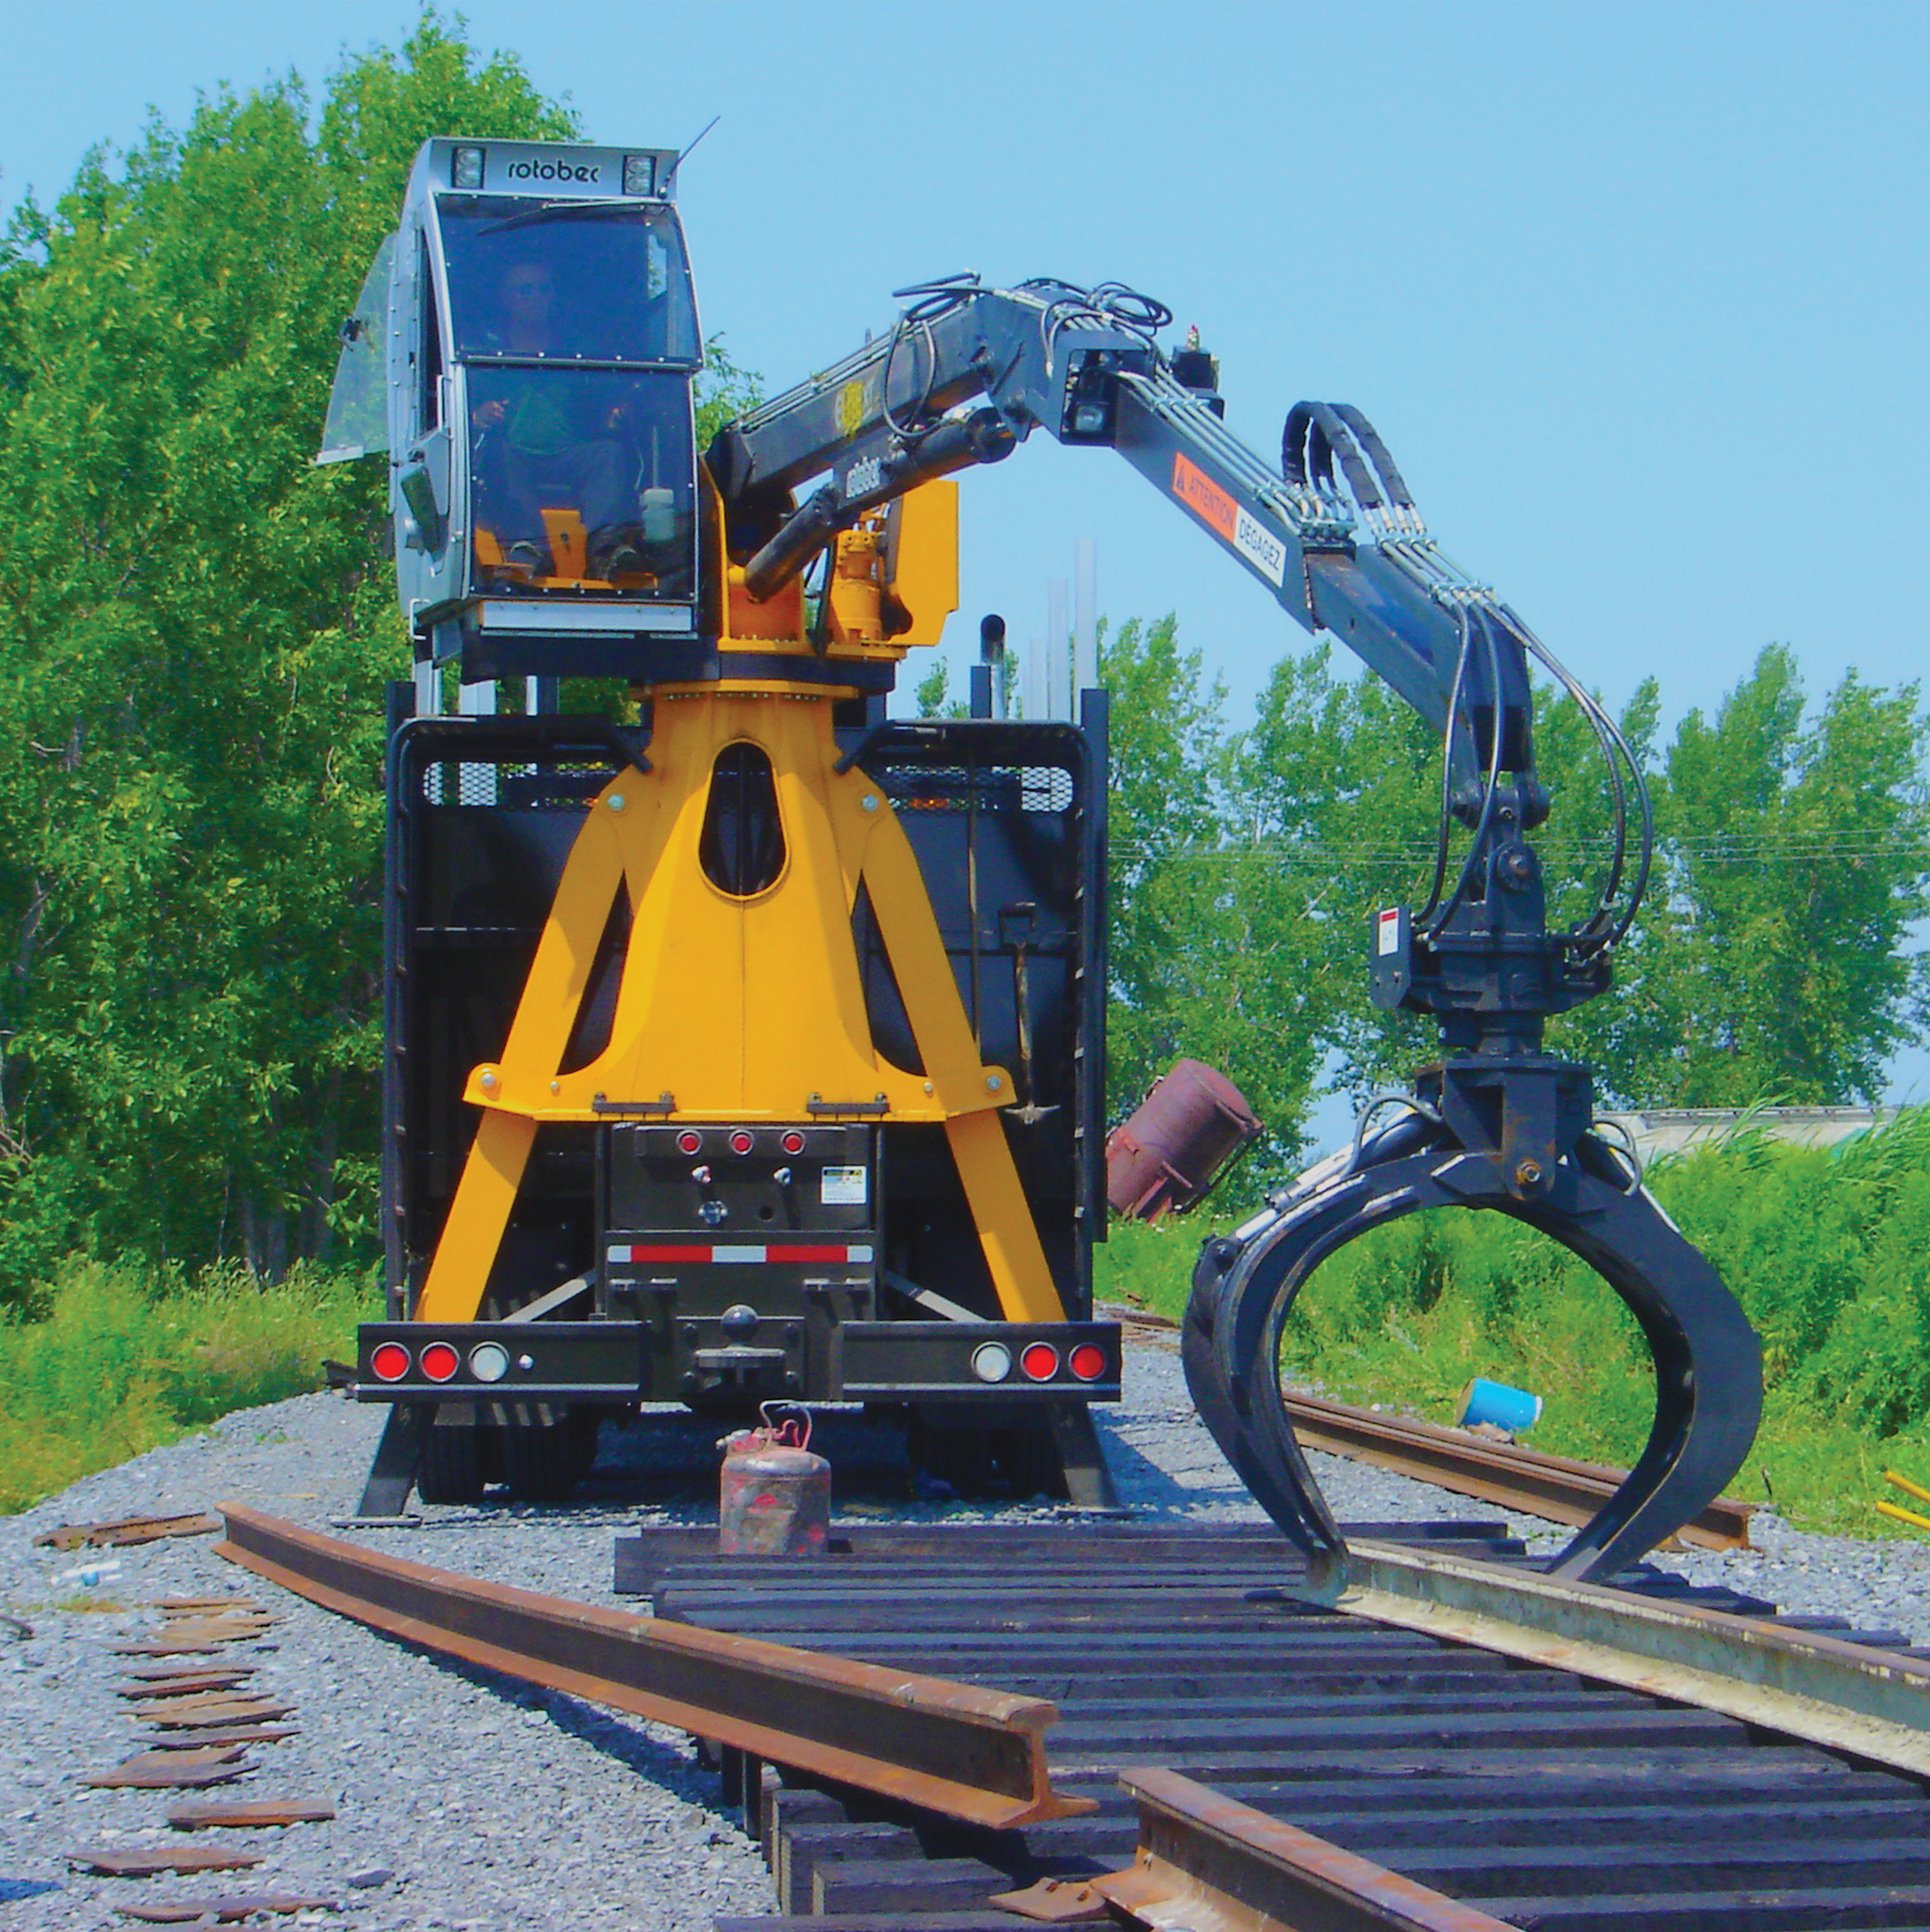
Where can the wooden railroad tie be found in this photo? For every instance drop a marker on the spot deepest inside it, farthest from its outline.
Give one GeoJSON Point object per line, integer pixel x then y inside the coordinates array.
{"type": "Point", "coordinates": [248, 1814]}
{"type": "Point", "coordinates": [180, 1860]}
{"type": "Point", "coordinates": [126, 1530]}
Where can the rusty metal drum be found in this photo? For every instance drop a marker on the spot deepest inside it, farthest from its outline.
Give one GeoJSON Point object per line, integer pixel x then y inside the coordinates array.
{"type": "Point", "coordinates": [773, 1494]}
{"type": "Point", "coordinates": [1177, 1143]}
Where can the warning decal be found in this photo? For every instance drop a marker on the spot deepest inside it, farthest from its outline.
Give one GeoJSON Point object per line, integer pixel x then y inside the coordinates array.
{"type": "Point", "coordinates": [1205, 498]}
{"type": "Point", "coordinates": [1220, 513]}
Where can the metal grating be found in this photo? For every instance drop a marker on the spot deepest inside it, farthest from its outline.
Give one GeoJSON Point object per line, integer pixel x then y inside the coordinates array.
{"type": "Point", "coordinates": [990, 788]}
{"type": "Point", "coordinates": [520, 786]}
{"type": "Point", "coordinates": [514, 787]}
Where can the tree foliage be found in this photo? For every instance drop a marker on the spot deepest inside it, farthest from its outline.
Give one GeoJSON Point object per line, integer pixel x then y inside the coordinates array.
{"type": "Point", "coordinates": [195, 627]}
{"type": "Point", "coordinates": [1772, 962]}
{"type": "Point", "coordinates": [1796, 865]}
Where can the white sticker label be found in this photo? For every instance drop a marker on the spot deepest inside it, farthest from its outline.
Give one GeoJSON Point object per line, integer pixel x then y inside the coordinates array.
{"type": "Point", "coordinates": [844, 1187]}
{"type": "Point", "coordinates": [1254, 540]}
{"type": "Point", "coordinates": [1387, 933]}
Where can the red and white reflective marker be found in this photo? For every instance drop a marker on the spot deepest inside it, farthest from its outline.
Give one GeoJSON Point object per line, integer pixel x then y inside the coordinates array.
{"type": "Point", "coordinates": [817, 1253]}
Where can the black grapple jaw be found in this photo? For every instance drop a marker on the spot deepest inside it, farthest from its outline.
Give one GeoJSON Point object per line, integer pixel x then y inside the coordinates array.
{"type": "Point", "coordinates": [1497, 1124]}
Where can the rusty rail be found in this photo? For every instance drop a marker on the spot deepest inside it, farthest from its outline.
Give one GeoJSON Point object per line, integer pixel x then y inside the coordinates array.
{"type": "Point", "coordinates": [1873, 1704]}
{"type": "Point", "coordinates": [1205, 1859]}
{"type": "Point", "coordinates": [966, 1752]}
{"type": "Point", "coordinates": [1553, 1486]}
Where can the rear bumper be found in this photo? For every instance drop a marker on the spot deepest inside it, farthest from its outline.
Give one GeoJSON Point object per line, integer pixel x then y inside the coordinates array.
{"type": "Point", "coordinates": [623, 1363]}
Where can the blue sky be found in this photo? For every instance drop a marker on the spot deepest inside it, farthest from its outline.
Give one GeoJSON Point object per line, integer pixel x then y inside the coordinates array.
{"type": "Point", "coordinates": [1638, 294]}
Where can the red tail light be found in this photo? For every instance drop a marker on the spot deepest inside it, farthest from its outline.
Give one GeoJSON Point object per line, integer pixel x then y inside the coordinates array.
{"type": "Point", "coordinates": [440, 1361]}
{"type": "Point", "coordinates": [690, 1143]}
{"type": "Point", "coordinates": [1040, 1361]}
{"type": "Point", "coordinates": [742, 1142]}
{"type": "Point", "coordinates": [794, 1142]}
{"type": "Point", "coordinates": [390, 1362]}
{"type": "Point", "coordinates": [1089, 1362]}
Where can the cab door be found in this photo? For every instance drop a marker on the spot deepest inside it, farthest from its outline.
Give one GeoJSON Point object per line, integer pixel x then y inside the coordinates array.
{"type": "Point", "coordinates": [430, 540]}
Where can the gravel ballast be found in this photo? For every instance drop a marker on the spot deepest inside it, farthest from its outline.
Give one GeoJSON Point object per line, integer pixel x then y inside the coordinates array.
{"type": "Point", "coordinates": [463, 1800]}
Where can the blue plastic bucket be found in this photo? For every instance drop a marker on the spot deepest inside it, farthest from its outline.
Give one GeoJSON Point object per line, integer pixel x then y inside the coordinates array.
{"type": "Point", "coordinates": [1512, 1409]}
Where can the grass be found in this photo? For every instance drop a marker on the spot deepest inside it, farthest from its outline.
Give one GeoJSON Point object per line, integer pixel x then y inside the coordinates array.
{"type": "Point", "coordinates": [123, 1363]}
{"type": "Point", "coordinates": [1821, 1246]}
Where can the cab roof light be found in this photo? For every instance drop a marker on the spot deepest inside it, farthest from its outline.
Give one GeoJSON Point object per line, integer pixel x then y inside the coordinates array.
{"type": "Point", "coordinates": [639, 174]}
{"type": "Point", "coordinates": [465, 167]}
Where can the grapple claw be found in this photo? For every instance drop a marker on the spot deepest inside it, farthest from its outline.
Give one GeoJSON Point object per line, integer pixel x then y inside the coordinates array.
{"type": "Point", "coordinates": [1707, 1361]}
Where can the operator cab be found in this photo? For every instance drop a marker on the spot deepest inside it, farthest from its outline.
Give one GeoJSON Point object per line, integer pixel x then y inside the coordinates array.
{"type": "Point", "coordinates": [533, 324]}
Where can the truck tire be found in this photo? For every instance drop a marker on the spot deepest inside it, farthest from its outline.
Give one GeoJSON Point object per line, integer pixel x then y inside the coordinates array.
{"type": "Point", "coordinates": [450, 1468]}
{"type": "Point", "coordinates": [545, 1462]}
{"type": "Point", "coordinates": [1027, 1459]}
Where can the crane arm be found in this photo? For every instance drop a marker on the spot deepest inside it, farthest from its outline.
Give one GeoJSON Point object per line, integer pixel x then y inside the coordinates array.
{"type": "Point", "coordinates": [969, 372]}
{"type": "Point", "coordinates": [965, 376]}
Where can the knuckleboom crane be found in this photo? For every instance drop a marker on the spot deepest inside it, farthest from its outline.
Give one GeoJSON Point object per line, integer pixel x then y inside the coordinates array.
{"type": "Point", "coordinates": [794, 910]}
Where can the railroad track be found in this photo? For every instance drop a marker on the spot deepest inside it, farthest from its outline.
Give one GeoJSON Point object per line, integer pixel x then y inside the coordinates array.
{"type": "Point", "coordinates": [1174, 1727]}
{"type": "Point", "coordinates": [1333, 1769]}
{"type": "Point", "coordinates": [1556, 1488]}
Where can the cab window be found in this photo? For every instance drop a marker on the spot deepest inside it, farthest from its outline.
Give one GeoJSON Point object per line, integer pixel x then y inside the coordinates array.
{"type": "Point", "coordinates": [570, 282]}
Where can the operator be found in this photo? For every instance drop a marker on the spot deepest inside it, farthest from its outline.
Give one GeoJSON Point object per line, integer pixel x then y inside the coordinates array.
{"type": "Point", "coordinates": [538, 438]}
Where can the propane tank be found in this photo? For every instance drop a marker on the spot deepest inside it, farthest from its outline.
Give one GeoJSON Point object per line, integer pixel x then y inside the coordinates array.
{"type": "Point", "coordinates": [774, 1495]}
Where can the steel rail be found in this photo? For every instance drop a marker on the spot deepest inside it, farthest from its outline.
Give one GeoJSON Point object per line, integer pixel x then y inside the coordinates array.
{"type": "Point", "coordinates": [1206, 1860]}
{"type": "Point", "coordinates": [1874, 1705]}
{"type": "Point", "coordinates": [1353, 1763]}
{"type": "Point", "coordinates": [1552, 1486]}
{"type": "Point", "coordinates": [1555, 1487]}
{"type": "Point", "coordinates": [956, 1749]}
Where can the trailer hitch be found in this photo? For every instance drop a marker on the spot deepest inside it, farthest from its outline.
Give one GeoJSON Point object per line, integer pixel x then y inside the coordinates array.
{"type": "Point", "coordinates": [1497, 1124]}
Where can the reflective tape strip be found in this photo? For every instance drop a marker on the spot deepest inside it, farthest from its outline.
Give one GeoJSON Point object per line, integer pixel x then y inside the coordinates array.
{"type": "Point", "coordinates": [784, 1251]}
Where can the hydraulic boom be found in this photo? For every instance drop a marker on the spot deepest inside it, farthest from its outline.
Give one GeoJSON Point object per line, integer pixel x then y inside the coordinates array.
{"type": "Point", "coordinates": [967, 373]}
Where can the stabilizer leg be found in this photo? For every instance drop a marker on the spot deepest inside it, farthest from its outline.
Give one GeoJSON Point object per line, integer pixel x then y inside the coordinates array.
{"type": "Point", "coordinates": [391, 1475]}
{"type": "Point", "coordinates": [1082, 1459]}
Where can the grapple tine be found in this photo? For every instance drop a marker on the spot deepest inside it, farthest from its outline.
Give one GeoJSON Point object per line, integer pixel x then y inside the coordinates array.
{"type": "Point", "coordinates": [1707, 1361]}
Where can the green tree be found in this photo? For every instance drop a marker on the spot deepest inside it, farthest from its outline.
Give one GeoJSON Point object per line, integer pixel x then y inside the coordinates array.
{"type": "Point", "coordinates": [1210, 947]}
{"type": "Point", "coordinates": [1335, 790]}
{"type": "Point", "coordinates": [932, 693]}
{"type": "Point", "coordinates": [1797, 858]}
{"type": "Point", "coordinates": [194, 626]}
